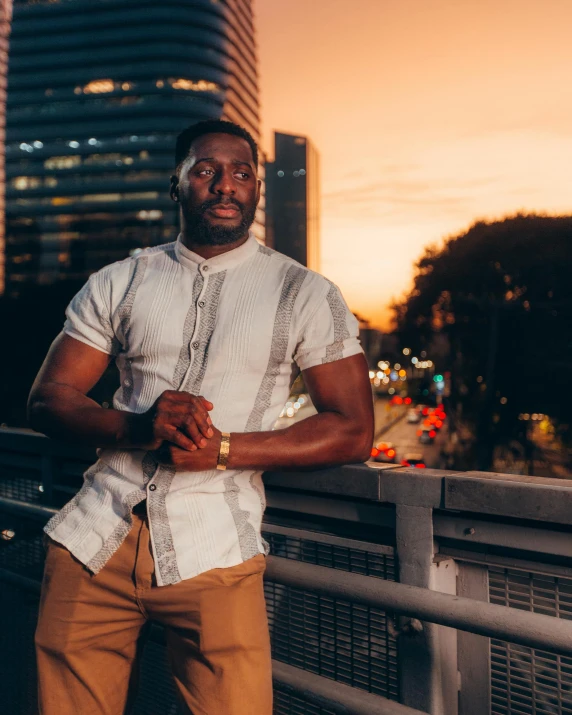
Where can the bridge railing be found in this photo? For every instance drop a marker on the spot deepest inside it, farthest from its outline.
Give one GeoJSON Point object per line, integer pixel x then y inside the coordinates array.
{"type": "Point", "coordinates": [389, 590]}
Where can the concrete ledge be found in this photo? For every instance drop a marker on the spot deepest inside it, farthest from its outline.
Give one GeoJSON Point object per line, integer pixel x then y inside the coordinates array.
{"type": "Point", "coordinates": [510, 495]}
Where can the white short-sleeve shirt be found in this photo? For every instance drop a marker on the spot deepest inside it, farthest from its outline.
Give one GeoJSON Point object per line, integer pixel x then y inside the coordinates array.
{"type": "Point", "coordinates": [236, 329]}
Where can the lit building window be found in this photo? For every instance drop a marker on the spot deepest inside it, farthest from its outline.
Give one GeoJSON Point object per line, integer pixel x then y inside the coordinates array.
{"type": "Point", "coordinates": [25, 182]}
{"type": "Point", "coordinates": [98, 86]}
{"type": "Point", "coordinates": [62, 162]}
{"type": "Point", "coordinates": [152, 215]}
{"type": "Point", "coordinates": [202, 85]}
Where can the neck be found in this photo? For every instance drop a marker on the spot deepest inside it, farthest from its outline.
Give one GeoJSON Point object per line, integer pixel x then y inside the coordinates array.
{"type": "Point", "coordinates": [208, 251]}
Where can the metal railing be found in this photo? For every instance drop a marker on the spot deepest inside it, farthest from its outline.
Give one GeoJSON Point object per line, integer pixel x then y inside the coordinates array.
{"type": "Point", "coordinates": [450, 592]}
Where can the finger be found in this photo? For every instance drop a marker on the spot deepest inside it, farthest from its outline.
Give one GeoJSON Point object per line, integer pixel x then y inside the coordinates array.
{"type": "Point", "coordinates": [191, 429]}
{"type": "Point", "coordinates": [202, 420]}
{"type": "Point", "coordinates": [179, 413]}
{"type": "Point", "coordinates": [209, 405]}
{"type": "Point", "coordinates": [174, 396]}
{"type": "Point", "coordinates": [174, 435]}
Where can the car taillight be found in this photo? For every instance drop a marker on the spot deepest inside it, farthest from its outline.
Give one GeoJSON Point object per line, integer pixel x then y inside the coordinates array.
{"type": "Point", "coordinates": [374, 452]}
{"type": "Point", "coordinates": [407, 400]}
{"type": "Point", "coordinates": [390, 453]}
{"type": "Point", "coordinates": [432, 434]}
{"type": "Point", "coordinates": [420, 466]}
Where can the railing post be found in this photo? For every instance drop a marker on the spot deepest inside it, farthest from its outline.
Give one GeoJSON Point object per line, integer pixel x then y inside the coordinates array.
{"type": "Point", "coordinates": [474, 650]}
{"type": "Point", "coordinates": [428, 660]}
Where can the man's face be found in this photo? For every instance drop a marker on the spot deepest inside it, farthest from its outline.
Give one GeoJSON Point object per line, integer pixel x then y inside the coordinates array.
{"type": "Point", "coordinates": [218, 189]}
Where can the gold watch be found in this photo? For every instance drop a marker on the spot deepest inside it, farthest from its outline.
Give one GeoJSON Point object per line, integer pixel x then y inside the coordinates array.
{"type": "Point", "coordinates": [223, 451]}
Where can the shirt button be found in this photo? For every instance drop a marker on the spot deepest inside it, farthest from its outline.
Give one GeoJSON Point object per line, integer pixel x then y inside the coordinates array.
{"type": "Point", "coordinates": [202, 303]}
{"type": "Point", "coordinates": [152, 487]}
{"type": "Point", "coordinates": [196, 346]}
{"type": "Point", "coordinates": [127, 383]}
{"type": "Point", "coordinates": [205, 269]}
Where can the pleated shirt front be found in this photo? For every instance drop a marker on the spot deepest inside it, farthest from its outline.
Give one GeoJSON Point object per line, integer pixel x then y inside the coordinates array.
{"type": "Point", "coordinates": [236, 329]}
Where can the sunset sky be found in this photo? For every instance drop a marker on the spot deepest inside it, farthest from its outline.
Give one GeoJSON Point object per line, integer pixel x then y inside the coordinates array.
{"type": "Point", "coordinates": [427, 114]}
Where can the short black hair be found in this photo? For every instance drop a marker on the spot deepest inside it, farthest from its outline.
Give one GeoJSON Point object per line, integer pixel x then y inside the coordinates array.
{"type": "Point", "coordinates": [211, 126]}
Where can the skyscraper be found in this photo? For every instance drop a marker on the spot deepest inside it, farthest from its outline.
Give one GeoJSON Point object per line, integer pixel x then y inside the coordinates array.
{"type": "Point", "coordinates": [293, 199]}
{"type": "Point", "coordinates": [5, 16]}
{"type": "Point", "coordinates": [97, 92]}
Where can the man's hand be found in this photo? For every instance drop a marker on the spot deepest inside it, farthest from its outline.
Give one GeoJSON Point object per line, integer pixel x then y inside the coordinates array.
{"type": "Point", "coordinates": [178, 418]}
{"type": "Point", "coordinates": [199, 461]}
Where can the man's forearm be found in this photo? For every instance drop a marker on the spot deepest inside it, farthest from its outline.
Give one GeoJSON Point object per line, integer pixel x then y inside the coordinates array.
{"type": "Point", "coordinates": [323, 440]}
{"type": "Point", "coordinates": [62, 412]}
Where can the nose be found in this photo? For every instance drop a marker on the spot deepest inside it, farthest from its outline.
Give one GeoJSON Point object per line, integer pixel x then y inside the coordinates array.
{"type": "Point", "coordinates": [223, 183]}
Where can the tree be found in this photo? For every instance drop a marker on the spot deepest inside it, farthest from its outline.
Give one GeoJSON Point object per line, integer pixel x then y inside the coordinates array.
{"type": "Point", "coordinates": [502, 295]}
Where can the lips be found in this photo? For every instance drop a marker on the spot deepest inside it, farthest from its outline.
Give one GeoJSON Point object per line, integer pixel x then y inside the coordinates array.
{"type": "Point", "coordinates": [224, 210]}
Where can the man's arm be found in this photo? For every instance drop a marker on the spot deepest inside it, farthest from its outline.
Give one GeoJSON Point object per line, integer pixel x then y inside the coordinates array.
{"type": "Point", "coordinates": [341, 432]}
{"type": "Point", "coordinates": [59, 407]}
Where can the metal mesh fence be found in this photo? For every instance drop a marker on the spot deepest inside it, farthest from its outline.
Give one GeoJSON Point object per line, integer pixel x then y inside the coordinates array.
{"type": "Point", "coordinates": [343, 641]}
{"type": "Point", "coordinates": [527, 681]}
{"type": "Point", "coordinates": [337, 639]}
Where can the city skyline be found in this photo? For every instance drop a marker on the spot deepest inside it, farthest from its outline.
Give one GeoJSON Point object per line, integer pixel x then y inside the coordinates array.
{"type": "Point", "coordinates": [427, 116]}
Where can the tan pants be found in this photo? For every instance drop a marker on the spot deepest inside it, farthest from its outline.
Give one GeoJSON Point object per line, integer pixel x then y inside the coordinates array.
{"type": "Point", "coordinates": [91, 631]}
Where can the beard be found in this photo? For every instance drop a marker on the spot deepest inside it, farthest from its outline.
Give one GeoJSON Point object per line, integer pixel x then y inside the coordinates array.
{"type": "Point", "coordinates": [208, 234]}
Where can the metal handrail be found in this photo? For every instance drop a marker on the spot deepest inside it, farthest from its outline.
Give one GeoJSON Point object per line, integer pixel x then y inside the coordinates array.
{"type": "Point", "coordinates": [534, 630]}
{"type": "Point", "coordinates": [333, 695]}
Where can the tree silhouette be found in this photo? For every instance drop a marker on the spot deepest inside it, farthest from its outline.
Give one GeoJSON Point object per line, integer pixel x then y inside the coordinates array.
{"type": "Point", "coordinates": [502, 295]}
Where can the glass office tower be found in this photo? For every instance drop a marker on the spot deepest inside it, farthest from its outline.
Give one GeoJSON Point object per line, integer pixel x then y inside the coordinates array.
{"type": "Point", "coordinates": [5, 16]}
{"type": "Point", "coordinates": [97, 92]}
{"type": "Point", "coordinates": [293, 199]}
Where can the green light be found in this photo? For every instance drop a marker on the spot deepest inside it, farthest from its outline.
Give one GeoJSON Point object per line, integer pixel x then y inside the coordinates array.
{"type": "Point", "coordinates": [438, 378]}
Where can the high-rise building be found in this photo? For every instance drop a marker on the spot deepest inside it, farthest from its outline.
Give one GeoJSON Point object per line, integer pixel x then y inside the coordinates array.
{"type": "Point", "coordinates": [5, 16]}
{"type": "Point", "coordinates": [293, 199]}
{"type": "Point", "coordinates": [97, 92]}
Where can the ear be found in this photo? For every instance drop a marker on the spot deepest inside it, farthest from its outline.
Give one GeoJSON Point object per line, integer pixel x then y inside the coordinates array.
{"type": "Point", "coordinates": [174, 190]}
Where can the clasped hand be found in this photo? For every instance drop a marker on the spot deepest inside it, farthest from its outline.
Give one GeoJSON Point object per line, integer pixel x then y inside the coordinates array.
{"type": "Point", "coordinates": [182, 432]}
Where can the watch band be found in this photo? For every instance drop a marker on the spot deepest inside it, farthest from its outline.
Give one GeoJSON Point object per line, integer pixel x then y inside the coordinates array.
{"type": "Point", "coordinates": [223, 451]}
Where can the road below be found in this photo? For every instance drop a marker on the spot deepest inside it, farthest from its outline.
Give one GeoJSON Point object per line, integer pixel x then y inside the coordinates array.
{"type": "Point", "coordinates": [403, 436]}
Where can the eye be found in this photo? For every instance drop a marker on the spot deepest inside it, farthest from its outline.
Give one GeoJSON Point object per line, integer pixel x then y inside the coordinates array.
{"type": "Point", "coordinates": [205, 172]}
{"type": "Point", "coordinates": [243, 174]}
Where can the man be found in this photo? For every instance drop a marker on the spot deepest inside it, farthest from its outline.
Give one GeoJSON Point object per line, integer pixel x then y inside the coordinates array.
{"type": "Point", "coordinates": [208, 334]}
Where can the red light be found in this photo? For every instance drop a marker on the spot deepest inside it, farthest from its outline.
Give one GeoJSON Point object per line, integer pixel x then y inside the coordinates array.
{"type": "Point", "coordinates": [438, 424]}
{"type": "Point", "coordinates": [390, 453]}
{"type": "Point", "coordinates": [427, 423]}
{"type": "Point", "coordinates": [432, 434]}
{"type": "Point", "coordinates": [425, 411]}
{"type": "Point", "coordinates": [407, 400]}
{"type": "Point", "coordinates": [399, 400]}
{"type": "Point", "coordinates": [405, 463]}
{"type": "Point", "coordinates": [420, 466]}
{"type": "Point", "coordinates": [374, 452]}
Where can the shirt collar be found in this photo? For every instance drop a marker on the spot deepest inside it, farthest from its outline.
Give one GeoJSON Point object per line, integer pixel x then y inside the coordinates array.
{"type": "Point", "coordinates": [190, 259]}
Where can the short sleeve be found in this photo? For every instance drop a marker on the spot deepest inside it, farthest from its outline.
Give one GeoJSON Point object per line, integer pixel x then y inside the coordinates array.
{"type": "Point", "coordinates": [330, 334]}
{"type": "Point", "coordinates": [88, 317]}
